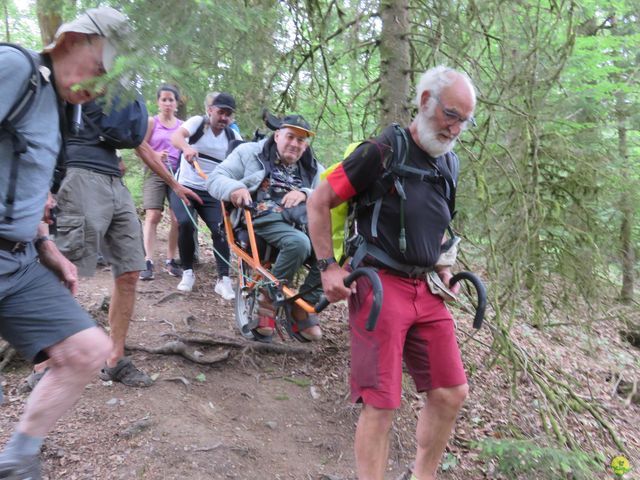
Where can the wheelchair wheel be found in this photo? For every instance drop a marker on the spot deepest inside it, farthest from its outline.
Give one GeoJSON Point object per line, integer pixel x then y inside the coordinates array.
{"type": "Point", "coordinates": [246, 305]}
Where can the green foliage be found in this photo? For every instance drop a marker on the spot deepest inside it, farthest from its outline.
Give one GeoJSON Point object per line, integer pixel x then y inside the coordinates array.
{"type": "Point", "coordinates": [134, 175]}
{"type": "Point", "coordinates": [523, 459]}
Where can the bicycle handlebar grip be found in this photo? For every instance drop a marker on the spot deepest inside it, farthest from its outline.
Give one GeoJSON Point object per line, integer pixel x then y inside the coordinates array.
{"type": "Point", "coordinates": [376, 285]}
{"type": "Point", "coordinates": [481, 291]}
{"type": "Point", "coordinates": [322, 304]}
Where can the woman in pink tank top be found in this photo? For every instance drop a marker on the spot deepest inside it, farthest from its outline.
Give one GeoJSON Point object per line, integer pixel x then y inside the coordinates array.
{"type": "Point", "coordinates": [154, 191]}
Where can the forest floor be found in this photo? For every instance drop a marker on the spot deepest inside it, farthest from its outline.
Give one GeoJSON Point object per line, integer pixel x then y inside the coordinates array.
{"type": "Point", "coordinates": [282, 416]}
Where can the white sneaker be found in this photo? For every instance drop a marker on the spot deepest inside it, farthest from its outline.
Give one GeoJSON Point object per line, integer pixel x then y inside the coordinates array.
{"type": "Point", "coordinates": [188, 279]}
{"type": "Point", "coordinates": [224, 288]}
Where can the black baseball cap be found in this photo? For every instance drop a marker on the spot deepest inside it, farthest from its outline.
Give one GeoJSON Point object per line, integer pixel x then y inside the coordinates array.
{"type": "Point", "coordinates": [225, 100]}
{"type": "Point", "coordinates": [298, 122]}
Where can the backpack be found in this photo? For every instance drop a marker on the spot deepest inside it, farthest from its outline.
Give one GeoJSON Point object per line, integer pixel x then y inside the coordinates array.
{"type": "Point", "coordinates": [123, 127]}
{"type": "Point", "coordinates": [7, 128]}
{"type": "Point", "coordinates": [346, 241]}
{"type": "Point", "coordinates": [228, 131]}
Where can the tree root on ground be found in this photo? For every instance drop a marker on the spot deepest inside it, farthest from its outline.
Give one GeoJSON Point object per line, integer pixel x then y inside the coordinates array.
{"type": "Point", "coordinates": [176, 347]}
{"type": "Point", "coordinates": [181, 346]}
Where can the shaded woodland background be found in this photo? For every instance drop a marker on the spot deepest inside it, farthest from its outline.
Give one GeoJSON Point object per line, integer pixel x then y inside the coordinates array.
{"type": "Point", "coordinates": [548, 198]}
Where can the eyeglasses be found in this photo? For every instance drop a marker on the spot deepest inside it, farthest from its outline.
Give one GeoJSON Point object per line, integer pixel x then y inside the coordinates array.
{"type": "Point", "coordinates": [452, 117]}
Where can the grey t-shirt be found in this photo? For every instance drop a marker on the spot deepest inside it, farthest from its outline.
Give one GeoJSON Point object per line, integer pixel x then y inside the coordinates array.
{"type": "Point", "coordinates": [40, 126]}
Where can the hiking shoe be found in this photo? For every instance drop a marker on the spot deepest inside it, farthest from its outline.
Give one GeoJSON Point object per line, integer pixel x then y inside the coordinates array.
{"type": "Point", "coordinates": [172, 268]}
{"type": "Point", "coordinates": [20, 467]}
{"type": "Point", "coordinates": [148, 273]}
{"type": "Point", "coordinates": [188, 279]}
{"type": "Point", "coordinates": [224, 288]}
{"type": "Point", "coordinates": [102, 262]}
{"type": "Point", "coordinates": [32, 380]}
{"type": "Point", "coordinates": [126, 373]}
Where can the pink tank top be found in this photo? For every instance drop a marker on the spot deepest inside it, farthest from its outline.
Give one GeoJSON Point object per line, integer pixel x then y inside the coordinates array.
{"type": "Point", "coordinates": [160, 140]}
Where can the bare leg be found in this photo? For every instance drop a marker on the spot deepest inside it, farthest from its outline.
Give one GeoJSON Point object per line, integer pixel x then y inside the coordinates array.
{"type": "Point", "coordinates": [372, 442]}
{"type": "Point", "coordinates": [172, 247]}
{"type": "Point", "coordinates": [152, 217]}
{"type": "Point", "coordinates": [435, 424]}
{"type": "Point", "coordinates": [72, 364]}
{"type": "Point", "coordinates": [120, 312]}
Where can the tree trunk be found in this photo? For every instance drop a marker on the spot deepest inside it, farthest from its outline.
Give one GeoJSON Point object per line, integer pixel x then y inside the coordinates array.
{"type": "Point", "coordinates": [626, 208]}
{"type": "Point", "coordinates": [49, 18]}
{"type": "Point", "coordinates": [394, 62]}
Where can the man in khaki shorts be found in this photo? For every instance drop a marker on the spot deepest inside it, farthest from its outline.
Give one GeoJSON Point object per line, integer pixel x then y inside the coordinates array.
{"type": "Point", "coordinates": [97, 213]}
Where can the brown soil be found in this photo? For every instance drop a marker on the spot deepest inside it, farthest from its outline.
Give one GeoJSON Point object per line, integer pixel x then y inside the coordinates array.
{"type": "Point", "coordinates": [279, 416]}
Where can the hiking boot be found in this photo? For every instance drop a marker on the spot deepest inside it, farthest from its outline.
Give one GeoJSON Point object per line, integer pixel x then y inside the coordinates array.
{"type": "Point", "coordinates": [32, 380]}
{"type": "Point", "coordinates": [188, 279]}
{"type": "Point", "coordinates": [20, 467]}
{"type": "Point", "coordinates": [148, 273]}
{"type": "Point", "coordinates": [172, 268]}
{"type": "Point", "coordinates": [126, 373]}
{"type": "Point", "coordinates": [224, 288]}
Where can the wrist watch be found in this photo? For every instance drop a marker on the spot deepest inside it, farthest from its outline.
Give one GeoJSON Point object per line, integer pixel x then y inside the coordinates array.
{"type": "Point", "coordinates": [323, 263]}
{"type": "Point", "coordinates": [40, 240]}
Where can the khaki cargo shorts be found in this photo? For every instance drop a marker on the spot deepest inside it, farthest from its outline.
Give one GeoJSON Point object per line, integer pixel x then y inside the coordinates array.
{"type": "Point", "coordinates": [97, 215]}
{"type": "Point", "coordinates": [154, 191]}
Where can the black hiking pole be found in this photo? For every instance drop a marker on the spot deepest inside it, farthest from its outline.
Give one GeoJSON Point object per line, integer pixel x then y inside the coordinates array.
{"type": "Point", "coordinates": [481, 292]}
{"type": "Point", "coordinates": [376, 286]}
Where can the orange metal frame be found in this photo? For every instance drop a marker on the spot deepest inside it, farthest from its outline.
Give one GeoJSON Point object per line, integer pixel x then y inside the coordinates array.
{"type": "Point", "coordinates": [254, 260]}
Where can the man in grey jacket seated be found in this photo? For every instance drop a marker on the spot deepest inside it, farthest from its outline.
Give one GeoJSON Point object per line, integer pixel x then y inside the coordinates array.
{"type": "Point", "coordinates": [274, 175]}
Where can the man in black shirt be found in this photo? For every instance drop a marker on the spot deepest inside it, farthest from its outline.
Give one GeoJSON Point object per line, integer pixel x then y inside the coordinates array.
{"type": "Point", "coordinates": [414, 323]}
{"type": "Point", "coordinates": [97, 213]}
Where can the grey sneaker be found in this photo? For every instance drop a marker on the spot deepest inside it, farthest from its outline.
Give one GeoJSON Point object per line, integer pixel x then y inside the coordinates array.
{"type": "Point", "coordinates": [148, 273]}
{"type": "Point", "coordinates": [172, 268]}
{"type": "Point", "coordinates": [126, 373]}
{"type": "Point", "coordinates": [20, 468]}
{"type": "Point", "coordinates": [31, 381]}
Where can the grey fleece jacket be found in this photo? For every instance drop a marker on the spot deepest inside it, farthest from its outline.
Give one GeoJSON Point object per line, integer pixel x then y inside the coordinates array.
{"type": "Point", "coordinates": [244, 168]}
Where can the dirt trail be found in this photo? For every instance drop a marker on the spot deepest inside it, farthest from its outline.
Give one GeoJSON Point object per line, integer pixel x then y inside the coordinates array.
{"type": "Point", "coordinates": [275, 416]}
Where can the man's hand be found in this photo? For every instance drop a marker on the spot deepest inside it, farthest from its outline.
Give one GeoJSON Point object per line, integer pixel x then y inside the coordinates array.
{"type": "Point", "coordinates": [333, 283]}
{"type": "Point", "coordinates": [185, 193]}
{"type": "Point", "coordinates": [66, 271]}
{"type": "Point", "coordinates": [445, 275]}
{"type": "Point", "coordinates": [293, 198]}
{"type": "Point", "coordinates": [50, 204]}
{"type": "Point", "coordinates": [190, 153]}
{"type": "Point", "coordinates": [241, 198]}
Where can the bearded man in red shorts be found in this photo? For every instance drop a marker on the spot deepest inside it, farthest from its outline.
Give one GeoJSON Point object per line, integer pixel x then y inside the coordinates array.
{"type": "Point", "coordinates": [414, 323]}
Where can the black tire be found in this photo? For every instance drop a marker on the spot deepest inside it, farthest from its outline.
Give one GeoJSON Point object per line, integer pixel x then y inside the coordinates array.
{"type": "Point", "coordinates": [246, 304]}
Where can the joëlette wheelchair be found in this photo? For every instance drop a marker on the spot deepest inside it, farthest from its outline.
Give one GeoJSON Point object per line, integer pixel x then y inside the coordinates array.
{"type": "Point", "coordinates": [254, 258]}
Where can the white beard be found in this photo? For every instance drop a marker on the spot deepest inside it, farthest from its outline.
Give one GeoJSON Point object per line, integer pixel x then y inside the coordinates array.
{"type": "Point", "coordinates": [428, 135]}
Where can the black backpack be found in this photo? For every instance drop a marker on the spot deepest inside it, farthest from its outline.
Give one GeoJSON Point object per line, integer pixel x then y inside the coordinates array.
{"type": "Point", "coordinates": [8, 126]}
{"type": "Point", "coordinates": [444, 173]}
{"type": "Point", "coordinates": [123, 127]}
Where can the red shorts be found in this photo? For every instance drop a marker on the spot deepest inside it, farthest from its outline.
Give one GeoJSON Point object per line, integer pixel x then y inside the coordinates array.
{"type": "Point", "coordinates": [414, 324]}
